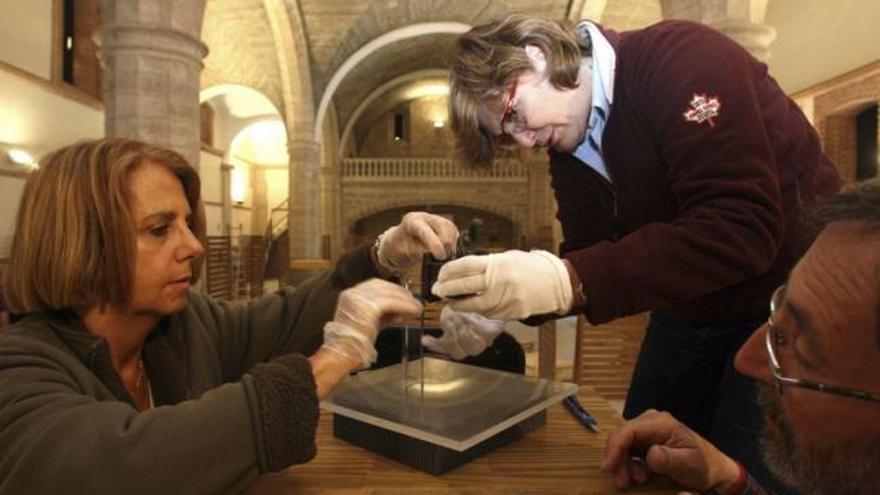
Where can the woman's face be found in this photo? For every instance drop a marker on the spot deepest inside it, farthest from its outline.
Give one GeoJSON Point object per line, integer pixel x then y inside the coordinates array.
{"type": "Point", "coordinates": [542, 116]}
{"type": "Point", "coordinates": [165, 246]}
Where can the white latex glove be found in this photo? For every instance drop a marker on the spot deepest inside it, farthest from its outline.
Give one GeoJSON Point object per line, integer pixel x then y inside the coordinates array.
{"type": "Point", "coordinates": [361, 311]}
{"type": "Point", "coordinates": [507, 286]}
{"type": "Point", "coordinates": [464, 334]}
{"type": "Point", "coordinates": [417, 233]}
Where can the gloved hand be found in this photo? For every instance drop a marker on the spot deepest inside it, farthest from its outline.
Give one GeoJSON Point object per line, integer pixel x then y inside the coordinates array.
{"type": "Point", "coordinates": [361, 311]}
{"type": "Point", "coordinates": [403, 245]}
{"type": "Point", "coordinates": [507, 286]}
{"type": "Point", "coordinates": [464, 334]}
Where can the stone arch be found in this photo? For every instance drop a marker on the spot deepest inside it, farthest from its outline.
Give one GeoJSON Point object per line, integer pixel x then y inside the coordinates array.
{"type": "Point", "coordinates": [415, 206]}
{"type": "Point", "coordinates": [516, 219]}
{"type": "Point", "coordinates": [291, 48]}
{"type": "Point", "coordinates": [242, 49]}
{"type": "Point", "coordinates": [260, 108]}
{"type": "Point", "coordinates": [379, 92]}
{"type": "Point", "coordinates": [395, 36]}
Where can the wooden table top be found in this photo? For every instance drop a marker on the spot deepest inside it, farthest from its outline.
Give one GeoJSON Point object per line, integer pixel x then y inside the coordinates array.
{"type": "Point", "coordinates": [561, 457]}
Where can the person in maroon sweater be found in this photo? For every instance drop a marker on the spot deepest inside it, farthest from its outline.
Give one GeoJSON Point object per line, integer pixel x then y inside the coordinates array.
{"type": "Point", "coordinates": [679, 167]}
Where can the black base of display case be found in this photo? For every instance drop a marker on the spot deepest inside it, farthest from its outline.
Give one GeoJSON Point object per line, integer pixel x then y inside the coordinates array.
{"type": "Point", "coordinates": [422, 455]}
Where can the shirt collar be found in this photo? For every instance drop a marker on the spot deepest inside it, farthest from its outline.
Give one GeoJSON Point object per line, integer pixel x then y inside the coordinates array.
{"type": "Point", "coordinates": [604, 65]}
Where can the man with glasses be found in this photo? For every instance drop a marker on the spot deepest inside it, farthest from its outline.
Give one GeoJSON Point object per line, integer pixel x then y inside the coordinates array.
{"type": "Point", "coordinates": [679, 167]}
{"type": "Point", "coordinates": [817, 361]}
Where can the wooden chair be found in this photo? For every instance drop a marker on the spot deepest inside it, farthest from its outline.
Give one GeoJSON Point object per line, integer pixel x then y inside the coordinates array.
{"type": "Point", "coordinates": [606, 354]}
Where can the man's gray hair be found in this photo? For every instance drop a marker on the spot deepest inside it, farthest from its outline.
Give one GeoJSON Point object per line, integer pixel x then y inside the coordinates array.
{"type": "Point", "coordinates": [858, 202]}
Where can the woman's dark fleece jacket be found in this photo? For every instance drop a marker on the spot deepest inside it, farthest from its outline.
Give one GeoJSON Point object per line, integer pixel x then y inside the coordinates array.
{"type": "Point", "coordinates": [233, 390]}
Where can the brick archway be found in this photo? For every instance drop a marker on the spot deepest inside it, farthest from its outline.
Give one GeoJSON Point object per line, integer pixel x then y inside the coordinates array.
{"type": "Point", "coordinates": [514, 213]}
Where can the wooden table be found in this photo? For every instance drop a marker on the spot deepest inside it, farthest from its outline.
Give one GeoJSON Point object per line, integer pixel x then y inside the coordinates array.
{"type": "Point", "coordinates": [561, 457]}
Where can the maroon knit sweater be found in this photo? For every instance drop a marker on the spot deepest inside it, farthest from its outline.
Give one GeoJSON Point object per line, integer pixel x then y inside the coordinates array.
{"type": "Point", "coordinates": [701, 219]}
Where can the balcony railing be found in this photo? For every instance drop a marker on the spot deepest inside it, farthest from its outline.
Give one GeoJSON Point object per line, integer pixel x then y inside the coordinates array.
{"type": "Point", "coordinates": [406, 169]}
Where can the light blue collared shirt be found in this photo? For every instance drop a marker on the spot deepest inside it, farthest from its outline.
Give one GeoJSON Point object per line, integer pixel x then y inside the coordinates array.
{"type": "Point", "coordinates": [604, 65]}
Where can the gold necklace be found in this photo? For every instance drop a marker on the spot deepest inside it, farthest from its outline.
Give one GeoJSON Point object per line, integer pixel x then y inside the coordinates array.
{"type": "Point", "coordinates": [139, 385]}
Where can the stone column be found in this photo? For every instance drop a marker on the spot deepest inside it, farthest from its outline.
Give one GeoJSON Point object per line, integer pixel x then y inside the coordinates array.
{"type": "Point", "coordinates": [152, 56]}
{"type": "Point", "coordinates": [742, 20]}
{"type": "Point", "coordinates": [305, 212]}
{"type": "Point", "coordinates": [331, 201]}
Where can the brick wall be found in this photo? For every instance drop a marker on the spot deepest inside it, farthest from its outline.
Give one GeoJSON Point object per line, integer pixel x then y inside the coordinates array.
{"type": "Point", "coordinates": [359, 201]}
{"type": "Point", "coordinates": [835, 106]}
{"type": "Point", "coordinates": [839, 139]}
{"type": "Point", "coordinates": [423, 139]}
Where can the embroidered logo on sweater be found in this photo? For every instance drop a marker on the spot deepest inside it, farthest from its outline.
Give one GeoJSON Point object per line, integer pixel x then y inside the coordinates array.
{"type": "Point", "coordinates": [703, 108]}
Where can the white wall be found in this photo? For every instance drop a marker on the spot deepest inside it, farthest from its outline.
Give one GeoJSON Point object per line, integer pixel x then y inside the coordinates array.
{"type": "Point", "coordinates": [241, 217]}
{"type": "Point", "coordinates": [26, 35]}
{"type": "Point", "coordinates": [276, 186]}
{"type": "Point", "coordinates": [39, 120]}
{"type": "Point", "coordinates": [214, 219]}
{"type": "Point", "coordinates": [209, 173]}
{"type": "Point", "coordinates": [212, 191]}
{"type": "Point", "coordinates": [820, 39]}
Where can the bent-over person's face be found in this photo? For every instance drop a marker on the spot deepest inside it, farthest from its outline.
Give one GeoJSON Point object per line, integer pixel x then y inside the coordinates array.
{"type": "Point", "coordinates": [541, 115]}
{"type": "Point", "coordinates": [166, 247]}
{"type": "Point", "coordinates": [826, 327]}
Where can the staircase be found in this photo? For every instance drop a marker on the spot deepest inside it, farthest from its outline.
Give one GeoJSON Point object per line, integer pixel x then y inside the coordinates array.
{"type": "Point", "coordinates": [278, 258]}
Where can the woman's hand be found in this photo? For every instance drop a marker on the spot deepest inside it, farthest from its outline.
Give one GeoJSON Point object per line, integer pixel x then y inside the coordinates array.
{"type": "Point", "coordinates": [464, 334]}
{"type": "Point", "coordinates": [361, 311]}
{"type": "Point", "coordinates": [403, 245]}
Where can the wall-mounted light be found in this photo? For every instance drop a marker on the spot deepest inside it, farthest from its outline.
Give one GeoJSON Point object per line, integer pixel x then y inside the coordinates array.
{"type": "Point", "coordinates": [19, 158]}
{"type": "Point", "coordinates": [439, 124]}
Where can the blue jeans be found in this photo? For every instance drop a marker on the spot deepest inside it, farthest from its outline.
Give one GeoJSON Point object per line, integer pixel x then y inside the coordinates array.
{"type": "Point", "coordinates": [686, 369]}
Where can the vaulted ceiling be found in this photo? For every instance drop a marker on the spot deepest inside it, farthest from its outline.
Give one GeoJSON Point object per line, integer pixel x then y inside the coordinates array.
{"type": "Point", "coordinates": [356, 47]}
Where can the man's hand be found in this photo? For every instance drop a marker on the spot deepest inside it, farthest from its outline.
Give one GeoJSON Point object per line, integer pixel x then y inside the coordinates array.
{"type": "Point", "coordinates": [669, 448]}
{"type": "Point", "coordinates": [464, 334]}
{"type": "Point", "coordinates": [507, 286]}
{"type": "Point", "coordinates": [403, 245]}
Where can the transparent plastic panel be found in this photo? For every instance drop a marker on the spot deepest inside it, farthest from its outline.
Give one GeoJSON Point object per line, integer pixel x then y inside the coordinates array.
{"type": "Point", "coordinates": [455, 405]}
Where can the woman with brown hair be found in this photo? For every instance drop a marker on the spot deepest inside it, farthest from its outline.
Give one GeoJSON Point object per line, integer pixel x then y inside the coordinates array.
{"type": "Point", "coordinates": [117, 364]}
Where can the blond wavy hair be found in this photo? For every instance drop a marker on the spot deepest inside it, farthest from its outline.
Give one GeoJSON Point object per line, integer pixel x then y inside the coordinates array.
{"type": "Point", "coordinates": [487, 60]}
{"type": "Point", "coordinates": [74, 242]}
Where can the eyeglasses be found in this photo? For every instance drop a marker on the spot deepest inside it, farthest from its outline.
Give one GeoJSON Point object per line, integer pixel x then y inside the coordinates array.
{"type": "Point", "coordinates": [775, 340]}
{"type": "Point", "coordinates": [505, 139]}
